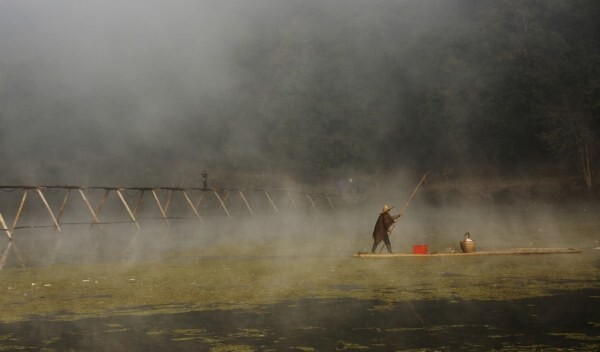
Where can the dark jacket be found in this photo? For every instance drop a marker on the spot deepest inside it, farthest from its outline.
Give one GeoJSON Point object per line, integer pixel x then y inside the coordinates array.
{"type": "Point", "coordinates": [382, 226]}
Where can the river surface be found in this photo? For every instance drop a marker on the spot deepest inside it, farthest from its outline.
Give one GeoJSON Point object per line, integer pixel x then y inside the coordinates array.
{"type": "Point", "coordinates": [292, 290]}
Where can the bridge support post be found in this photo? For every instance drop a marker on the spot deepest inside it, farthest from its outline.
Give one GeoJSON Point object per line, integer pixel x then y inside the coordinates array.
{"type": "Point", "coordinates": [131, 216]}
{"type": "Point", "coordinates": [222, 204]}
{"type": "Point", "coordinates": [271, 201]}
{"type": "Point", "coordinates": [41, 194]}
{"type": "Point", "coordinates": [162, 210]}
{"type": "Point", "coordinates": [20, 210]}
{"type": "Point", "coordinates": [189, 201]}
{"type": "Point", "coordinates": [91, 210]}
{"type": "Point", "coordinates": [312, 202]}
{"type": "Point", "coordinates": [246, 202]}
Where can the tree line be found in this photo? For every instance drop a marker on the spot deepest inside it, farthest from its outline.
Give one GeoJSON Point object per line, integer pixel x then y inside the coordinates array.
{"type": "Point", "coordinates": [486, 86]}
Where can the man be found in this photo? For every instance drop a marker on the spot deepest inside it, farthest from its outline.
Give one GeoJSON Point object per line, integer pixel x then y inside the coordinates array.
{"type": "Point", "coordinates": [383, 227]}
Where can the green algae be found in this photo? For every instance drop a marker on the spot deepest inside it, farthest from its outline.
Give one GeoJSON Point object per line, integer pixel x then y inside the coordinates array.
{"type": "Point", "coordinates": [194, 281]}
{"type": "Point", "coordinates": [248, 276]}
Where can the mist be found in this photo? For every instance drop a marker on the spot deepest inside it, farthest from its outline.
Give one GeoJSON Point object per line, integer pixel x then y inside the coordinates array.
{"type": "Point", "coordinates": [149, 90]}
{"type": "Point", "coordinates": [132, 87]}
{"type": "Point", "coordinates": [299, 95]}
{"type": "Point", "coordinates": [345, 104]}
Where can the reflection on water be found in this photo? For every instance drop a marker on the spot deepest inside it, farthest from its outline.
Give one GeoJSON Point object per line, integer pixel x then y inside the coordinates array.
{"type": "Point", "coordinates": [545, 323]}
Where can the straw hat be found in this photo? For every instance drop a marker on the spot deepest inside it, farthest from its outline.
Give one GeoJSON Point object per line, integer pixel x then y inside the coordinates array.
{"type": "Point", "coordinates": [386, 208]}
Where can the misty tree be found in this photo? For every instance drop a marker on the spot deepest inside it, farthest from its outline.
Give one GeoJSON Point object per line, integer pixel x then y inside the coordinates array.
{"type": "Point", "coordinates": [537, 74]}
{"type": "Point", "coordinates": [506, 53]}
{"type": "Point", "coordinates": [464, 94]}
{"type": "Point", "coordinates": [565, 76]}
{"type": "Point", "coordinates": [572, 115]}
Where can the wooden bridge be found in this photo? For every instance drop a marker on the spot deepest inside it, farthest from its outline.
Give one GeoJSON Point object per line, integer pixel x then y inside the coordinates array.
{"type": "Point", "coordinates": [55, 208]}
{"type": "Point", "coordinates": [165, 203]}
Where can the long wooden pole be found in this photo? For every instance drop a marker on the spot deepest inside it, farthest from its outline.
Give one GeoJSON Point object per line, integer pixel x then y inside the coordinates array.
{"type": "Point", "coordinates": [406, 205]}
{"type": "Point", "coordinates": [413, 194]}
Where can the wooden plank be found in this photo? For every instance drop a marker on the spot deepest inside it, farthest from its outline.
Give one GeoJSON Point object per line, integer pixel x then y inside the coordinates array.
{"type": "Point", "coordinates": [543, 250]}
{"type": "Point", "coordinates": [514, 251]}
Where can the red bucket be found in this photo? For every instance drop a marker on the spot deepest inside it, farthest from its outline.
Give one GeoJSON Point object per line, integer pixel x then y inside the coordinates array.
{"type": "Point", "coordinates": [420, 249]}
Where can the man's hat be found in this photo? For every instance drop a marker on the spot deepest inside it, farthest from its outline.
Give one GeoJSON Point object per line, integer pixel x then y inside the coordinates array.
{"type": "Point", "coordinates": [386, 208]}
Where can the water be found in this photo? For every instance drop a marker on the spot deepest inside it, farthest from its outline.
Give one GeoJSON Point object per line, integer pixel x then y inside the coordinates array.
{"type": "Point", "coordinates": [290, 289]}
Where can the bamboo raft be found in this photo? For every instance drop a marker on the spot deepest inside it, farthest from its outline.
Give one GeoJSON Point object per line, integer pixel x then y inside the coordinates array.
{"type": "Point", "coordinates": [513, 251]}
